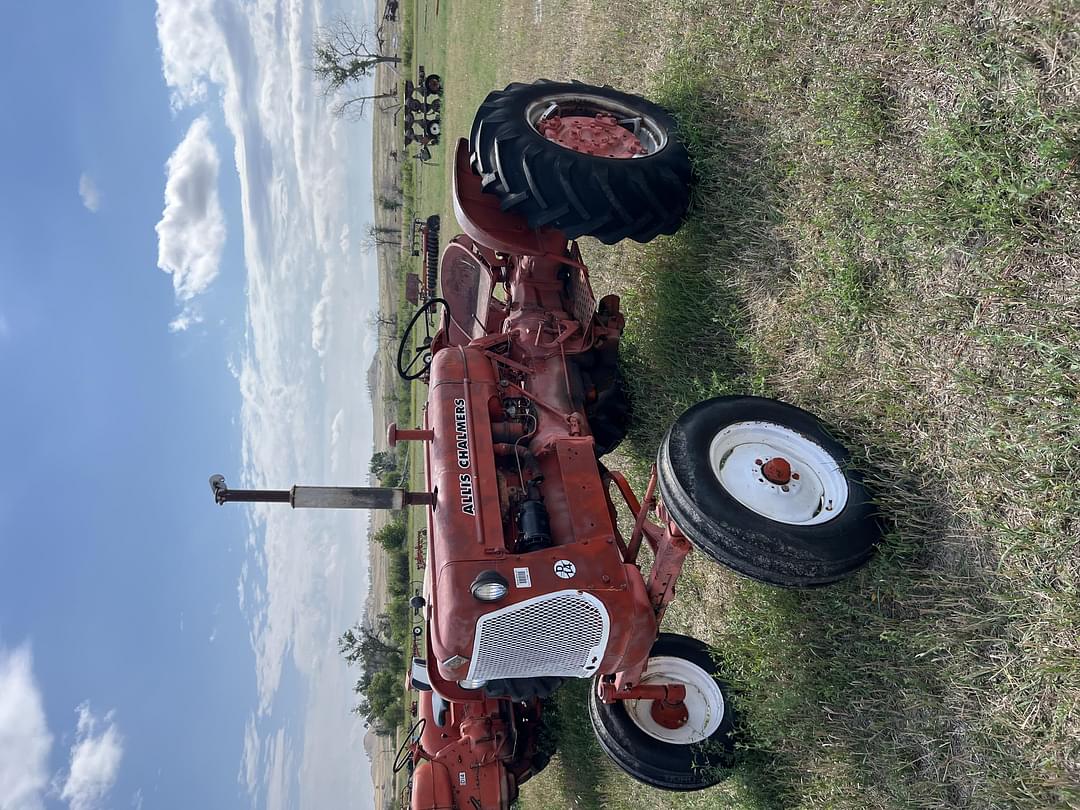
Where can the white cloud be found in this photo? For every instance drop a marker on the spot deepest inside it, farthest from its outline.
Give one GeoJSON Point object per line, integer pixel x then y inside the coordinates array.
{"type": "Point", "coordinates": [249, 764]}
{"type": "Point", "coordinates": [25, 740]}
{"type": "Point", "coordinates": [241, 585]}
{"type": "Point", "coordinates": [191, 233]}
{"type": "Point", "coordinates": [337, 428]}
{"type": "Point", "coordinates": [85, 724]}
{"type": "Point", "coordinates": [320, 326]}
{"type": "Point", "coordinates": [95, 761]}
{"type": "Point", "coordinates": [88, 190]}
{"type": "Point", "coordinates": [301, 191]}
{"type": "Point", "coordinates": [192, 49]}
{"type": "Point", "coordinates": [185, 320]}
{"type": "Point", "coordinates": [279, 763]}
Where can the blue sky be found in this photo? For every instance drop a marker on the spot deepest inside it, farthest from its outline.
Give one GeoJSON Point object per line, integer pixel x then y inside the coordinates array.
{"type": "Point", "coordinates": [182, 292]}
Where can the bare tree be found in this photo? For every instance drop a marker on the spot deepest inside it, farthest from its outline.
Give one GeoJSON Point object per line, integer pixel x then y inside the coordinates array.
{"type": "Point", "coordinates": [379, 236]}
{"type": "Point", "coordinates": [385, 327]}
{"type": "Point", "coordinates": [345, 54]}
{"type": "Point", "coordinates": [356, 106]}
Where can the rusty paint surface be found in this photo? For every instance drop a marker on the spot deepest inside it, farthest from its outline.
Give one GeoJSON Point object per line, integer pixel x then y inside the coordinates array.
{"type": "Point", "coordinates": [598, 135]}
{"type": "Point", "coordinates": [777, 470]}
{"type": "Point", "coordinates": [670, 714]}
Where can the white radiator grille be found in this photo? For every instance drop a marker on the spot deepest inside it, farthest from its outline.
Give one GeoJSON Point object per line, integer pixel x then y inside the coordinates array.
{"type": "Point", "coordinates": [563, 633]}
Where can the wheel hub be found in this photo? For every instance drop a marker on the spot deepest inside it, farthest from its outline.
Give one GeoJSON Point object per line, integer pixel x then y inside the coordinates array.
{"type": "Point", "coordinates": [777, 470]}
{"type": "Point", "coordinates": [670, 715]}
{"type": "Point", "coordinates": [689, 721]}
{"type": "Point", "coordinates": [600, 135]}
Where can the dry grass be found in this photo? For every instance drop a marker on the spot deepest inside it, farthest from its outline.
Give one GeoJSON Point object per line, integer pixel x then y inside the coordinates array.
{"type": "Point", "coordinates": [885, 231]}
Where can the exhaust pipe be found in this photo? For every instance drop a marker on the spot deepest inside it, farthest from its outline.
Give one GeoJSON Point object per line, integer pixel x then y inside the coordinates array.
{"type": "Point", "coordinates": [301, 497]}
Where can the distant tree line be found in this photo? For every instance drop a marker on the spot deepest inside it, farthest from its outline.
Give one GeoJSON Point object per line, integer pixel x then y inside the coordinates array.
{"type": "Point", "coordinates": [386, 467]}
{"type": "Point", "coordinates": [381, 651]}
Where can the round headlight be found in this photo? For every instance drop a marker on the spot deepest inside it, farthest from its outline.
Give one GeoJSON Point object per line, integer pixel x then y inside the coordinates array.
{"type": "Point", "coordinates": [489, 586]}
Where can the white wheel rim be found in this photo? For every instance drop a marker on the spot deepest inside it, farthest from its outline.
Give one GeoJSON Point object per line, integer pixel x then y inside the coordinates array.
{"type": "Point", "coordinates": [704, 701]}
{"type": "Point", "coordinates": [816, 492]}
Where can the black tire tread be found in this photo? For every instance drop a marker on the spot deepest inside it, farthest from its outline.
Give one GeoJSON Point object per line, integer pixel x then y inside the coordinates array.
{"type": "Point", "coordinates": [530, 181]}
{"type": "Point", "coordinates": [610, 199]}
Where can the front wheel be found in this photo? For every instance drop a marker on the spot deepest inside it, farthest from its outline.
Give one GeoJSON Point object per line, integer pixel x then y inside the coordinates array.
{"type": "Point", "coordinates": [698, 753]}
{"type": "Point", "coordinates": [764, 488]}
{"type": "Point", "coordinates": [589, 161]}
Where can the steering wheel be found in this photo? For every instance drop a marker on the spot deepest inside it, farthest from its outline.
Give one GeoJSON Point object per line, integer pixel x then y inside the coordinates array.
{"type": "Point", "coordinates": [422, 352]}
{"type": "Point", "coordinates": [404, 753]}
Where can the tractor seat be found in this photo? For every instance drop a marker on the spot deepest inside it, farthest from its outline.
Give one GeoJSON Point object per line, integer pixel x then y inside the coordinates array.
{"type": "Point", "coordinates": [466, 285]}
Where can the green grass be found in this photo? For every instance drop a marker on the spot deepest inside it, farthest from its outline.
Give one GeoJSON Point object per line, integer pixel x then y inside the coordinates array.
{"type": "Point", "coordinates": [576, 772]}
{"type": "Point", "coordinates": [905, 272]}
{"type": "Point", "coordinates": [885, 230]}
{"type": "Point", "coordinates": [1002, 164]}
{"type": "Point", "coordinates": [457, 45]}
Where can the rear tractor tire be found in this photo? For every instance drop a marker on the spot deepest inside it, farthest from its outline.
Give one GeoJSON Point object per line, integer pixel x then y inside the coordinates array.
{"type": "Point", "coordinates": [694, 756]}
{"type": "Point", "coordinates": [764, 488]}
{"type": "Point", "coordinates": [589, 161]}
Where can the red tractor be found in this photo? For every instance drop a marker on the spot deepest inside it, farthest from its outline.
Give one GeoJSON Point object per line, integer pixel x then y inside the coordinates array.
{"type": "Point", "coordinates": [529, 579]}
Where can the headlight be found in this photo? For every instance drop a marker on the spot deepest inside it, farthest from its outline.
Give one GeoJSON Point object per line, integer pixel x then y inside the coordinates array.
{"type": "Point", "coordinates": [478, 684]}
{"type": "Point", "coordinates": [489, 586]}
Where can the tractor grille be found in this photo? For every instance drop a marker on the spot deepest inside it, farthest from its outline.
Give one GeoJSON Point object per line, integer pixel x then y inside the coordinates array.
{"type": "Point", "coordinates": [563, 633]}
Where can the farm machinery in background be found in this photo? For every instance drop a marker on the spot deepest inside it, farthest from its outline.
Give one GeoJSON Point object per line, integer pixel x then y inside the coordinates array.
{"type": "Point", "coordinates": [422, 116]}
{"type": "Point", "coordinates": [424, 240]}
{"type": "Point", "coordinates": [530, 579]}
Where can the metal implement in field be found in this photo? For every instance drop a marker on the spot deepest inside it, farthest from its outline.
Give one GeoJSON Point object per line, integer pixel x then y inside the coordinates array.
{"type": "Point", "coordinates": [425, 240]}
{"type": "Point", "coordinates": [422, 104]}
{"type": "Point", "coordinates": [529, 579]}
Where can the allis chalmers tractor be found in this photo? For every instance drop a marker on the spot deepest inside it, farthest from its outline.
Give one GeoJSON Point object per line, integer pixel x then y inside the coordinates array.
{"type": "Point", "coordinates": [529, 579]}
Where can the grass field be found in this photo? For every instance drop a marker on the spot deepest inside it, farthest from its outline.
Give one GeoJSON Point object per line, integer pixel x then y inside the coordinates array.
{"type": "Point", "coordinates": [884, 231]}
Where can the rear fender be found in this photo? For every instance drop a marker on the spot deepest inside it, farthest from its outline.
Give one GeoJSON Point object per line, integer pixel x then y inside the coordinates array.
{"type": "Point", "coordinates": [483, 219]}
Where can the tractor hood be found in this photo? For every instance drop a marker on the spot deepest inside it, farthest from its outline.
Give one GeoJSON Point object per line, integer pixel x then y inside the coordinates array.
{"type": "Point", "coordinates": [556, 617]}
